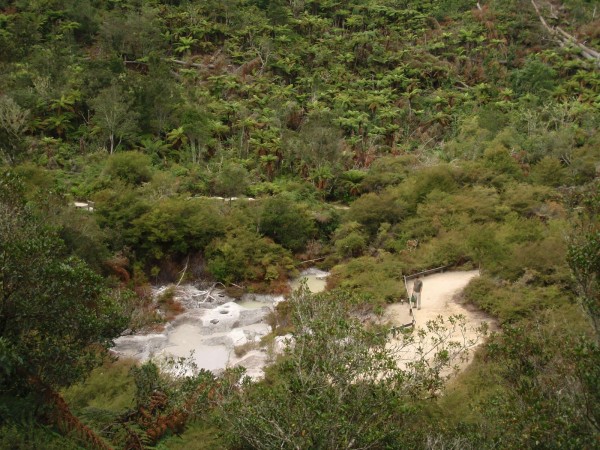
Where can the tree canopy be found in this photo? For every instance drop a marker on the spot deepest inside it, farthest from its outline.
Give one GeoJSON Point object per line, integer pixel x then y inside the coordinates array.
{"type": "Point", "coordinates": [56, 315]}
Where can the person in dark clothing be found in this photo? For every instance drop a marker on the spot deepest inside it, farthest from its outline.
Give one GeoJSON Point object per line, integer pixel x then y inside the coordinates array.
{"type": "Point", "coordinates": [416, 294]}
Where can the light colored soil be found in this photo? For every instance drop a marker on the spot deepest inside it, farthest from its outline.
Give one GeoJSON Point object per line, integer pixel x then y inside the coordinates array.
{"type": "Point", "coordinates": [439, 299]}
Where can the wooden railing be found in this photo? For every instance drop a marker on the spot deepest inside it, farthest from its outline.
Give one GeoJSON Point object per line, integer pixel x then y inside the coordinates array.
{"type": "Point", "coordinates": [410, 305]}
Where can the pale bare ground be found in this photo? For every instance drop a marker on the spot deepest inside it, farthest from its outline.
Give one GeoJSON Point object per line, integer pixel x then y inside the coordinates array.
{"type": "Point", "coordinates": [439, 299]}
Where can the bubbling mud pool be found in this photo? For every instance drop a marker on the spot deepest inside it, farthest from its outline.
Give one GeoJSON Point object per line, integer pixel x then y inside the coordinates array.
{"type": "Point", "coordinates": [315, 280]}
{"type": "Point", "coordinates": [208, 332]}
{"type": "Point", "coordinates": [215, 331]}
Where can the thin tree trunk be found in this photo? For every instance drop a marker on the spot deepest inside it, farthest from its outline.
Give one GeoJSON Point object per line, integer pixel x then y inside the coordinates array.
{"type": "Point", "coordinates": [565, 38]}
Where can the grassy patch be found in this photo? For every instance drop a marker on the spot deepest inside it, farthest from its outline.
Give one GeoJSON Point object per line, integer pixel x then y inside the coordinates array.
{"type": "Point", "coordinates": [107, 392]}
{"type": "Point", "coordinates": [241, 350]}
{"type": "Point", "coordinates": [198, 436]}
{"type": "Point", "coordinates": [32, 436]}
{"type": "Point", "coordinates": [377, 280]}
{"type": "Point", "coordinates": [510, 302]}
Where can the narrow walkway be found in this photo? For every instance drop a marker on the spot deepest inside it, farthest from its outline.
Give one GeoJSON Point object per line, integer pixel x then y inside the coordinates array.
{"type": "Point", "coordinates": [438, 299]}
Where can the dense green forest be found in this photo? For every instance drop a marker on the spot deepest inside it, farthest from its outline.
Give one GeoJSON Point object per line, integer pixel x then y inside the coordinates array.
{"type": "Point", "coordinates": [235, 140]}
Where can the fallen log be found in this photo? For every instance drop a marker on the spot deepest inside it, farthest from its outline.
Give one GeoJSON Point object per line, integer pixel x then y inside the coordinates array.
{"type": "Point", "coordinates": [566, 38]}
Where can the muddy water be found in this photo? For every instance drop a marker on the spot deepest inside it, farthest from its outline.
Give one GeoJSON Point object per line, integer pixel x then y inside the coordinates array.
{"type": "Point", "coordinates": [208, 332]}
{"type": "Point", "coordinates": [315, 280]}
{"type": "Point", "coordinates": [212, 326]}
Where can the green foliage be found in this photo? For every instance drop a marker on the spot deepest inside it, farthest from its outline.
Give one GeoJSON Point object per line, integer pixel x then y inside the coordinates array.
{"type": "Point", "coordinates": [584, 253]}
{"type": "Point", "coordinates": [534, 77]}
{"type": "Point", "coordinates": [371, 210]}
{"type": "Point", "coordinates": [130, 167]}
{"type": "Point", "coordinates": [538, 401]}
{"type": "Point", "coordinates": [499, 159]}
{"type": "Point", "coordinates": [108, 387]}
{"type": "Point", "coordinates": [375, 281]}
{"type": "Point", "coordinates": [198, 436]}
{"type": "Point", "coordinates": [385, 172]}
{"type": "Point", "coordinates": [232, 180]}
{"type": "Point", "coordinates": [549, 171]}
{"type": "Point", "coordinates": [245, 256]}
{"type": "Point", "coordinates": [32, 436]}
{"type": "Point", "coordinates": [114, 120]}
{"type": "Point", "coordinates": [452, 126]}
{"type": "Point", "coordinates": [166, 397]}
{"type": "Point", "coordinates": [40, 283]}
{"type": "Point", "coordinates": [337, 386]}
{"type": "Point", "coordinates": [287, 222]}
{"type": "Point", "coordinates": [350, 240]}
{"type": "Point", "coordinates": [441, 178]}
{"type": "Point", "coordinates": [176, 228]}
{"type": "Point", "coordinates": [512, 302]}
{"type": "Point", "coordinates": [13, 123]}
{"type": "Point", "coordinates": [116, 208]}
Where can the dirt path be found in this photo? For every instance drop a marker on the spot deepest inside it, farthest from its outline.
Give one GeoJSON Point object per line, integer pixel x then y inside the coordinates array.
{"type": "Point", "coordinates": [438, 299]}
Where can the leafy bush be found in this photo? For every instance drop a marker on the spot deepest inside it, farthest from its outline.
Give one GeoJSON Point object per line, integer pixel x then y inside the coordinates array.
{"type": "Point", "coordinates": [534, 77]}
{"type": "Point", "coordinates": [131, 167]}
{"type": "Point", "coordinates": [350, 240]}
{"type": "Point", "coordinates": [246, 256]}
{"type": "Point", "coordinates": [375, 281]}
{"type": "Point", "coordinates": [387, 171]}
{"type": "Point", "coordinates": [232, 180]}
{"type": "Point", "coordinates": [286, 222]}
{"type": "Point", "coordinates": [371, 210]}
{"type": "Point", "coordinates": [174, 227]}
{"type": "Point", "coordinates": [41, 283]}
{"type": "Point", "coordinates": [338, 386]}
{"type": "Point", "coordinates": [32, 436]}
{"type": "Point", "coordinates": [108, 387]}
{"type": "Point", "coordinates": [116, 209]}
{"type": "Point", "coordinates": [512, 302]}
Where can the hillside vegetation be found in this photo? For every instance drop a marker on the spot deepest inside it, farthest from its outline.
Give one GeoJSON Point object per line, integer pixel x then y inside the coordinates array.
{"type": "Point", "coordinates": [238, 141]}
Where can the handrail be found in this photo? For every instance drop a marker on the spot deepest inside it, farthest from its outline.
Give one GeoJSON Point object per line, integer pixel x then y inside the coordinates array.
{"type": "Point", "coordinates": [436, 269]}
{"type": "Point", "coordinates": [410, 306]}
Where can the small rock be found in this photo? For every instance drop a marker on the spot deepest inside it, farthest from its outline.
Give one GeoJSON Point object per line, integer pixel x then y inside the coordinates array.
{"type": "Point", "coordinates": [214, 321]}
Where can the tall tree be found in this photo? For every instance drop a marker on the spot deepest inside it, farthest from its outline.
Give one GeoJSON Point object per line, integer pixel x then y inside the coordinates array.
{"type": "Point", "coordinates": [113, 116]}
{"type": "Point", "coordinates": [56, 314]}
{"type": "Point", "coordinates": [13, 122]}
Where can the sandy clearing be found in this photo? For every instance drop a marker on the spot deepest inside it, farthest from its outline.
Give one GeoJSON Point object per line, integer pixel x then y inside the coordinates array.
{"type": "Point", "coordinates": [439, 299]}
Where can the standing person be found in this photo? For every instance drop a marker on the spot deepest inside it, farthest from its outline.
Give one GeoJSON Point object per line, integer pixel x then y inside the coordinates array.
{"type": "Point", "coordinates": [417, 288]}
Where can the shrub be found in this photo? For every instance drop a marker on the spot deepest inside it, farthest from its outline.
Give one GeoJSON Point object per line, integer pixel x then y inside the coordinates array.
{"type": "Point", "coordinates": [374, 281]}
{"type": "Point", "coordinates": [286, 222]}
{"type": "Point", "coordinates": [131, 167]}
{"type": "Point", "coordinates": [498, 158]}
{"type": "Point", "coordinates": [246, 256]}
{"type": "Point", "coordinates": [116, 209]}
{"type": "Point", "coordinates": [512, 302]}
{"type": "Point", "coordinates": [232, 180]}
{"type": "Point", "coordinates": [350, 240]}
{"type": "Point", "coordinates": [386, 172]}
{"type": "Point", "coordinates": [371, 210]}
{"type": "Point", "coordinates": [175, 227]}
{"type": "Point", "coordinates": [32, 436]}
{"type": "Point", "coordinates": [549, 172]}
{"type": "Point", "coordinates": [534, 77]}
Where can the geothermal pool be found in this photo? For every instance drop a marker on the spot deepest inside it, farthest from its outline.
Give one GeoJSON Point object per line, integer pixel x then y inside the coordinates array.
{"type": "Point", "coordinates": [213, 326]}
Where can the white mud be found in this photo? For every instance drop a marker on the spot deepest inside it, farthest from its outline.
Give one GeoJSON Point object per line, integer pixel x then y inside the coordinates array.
{"type": "Point", "coordinates": [208, 331]}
